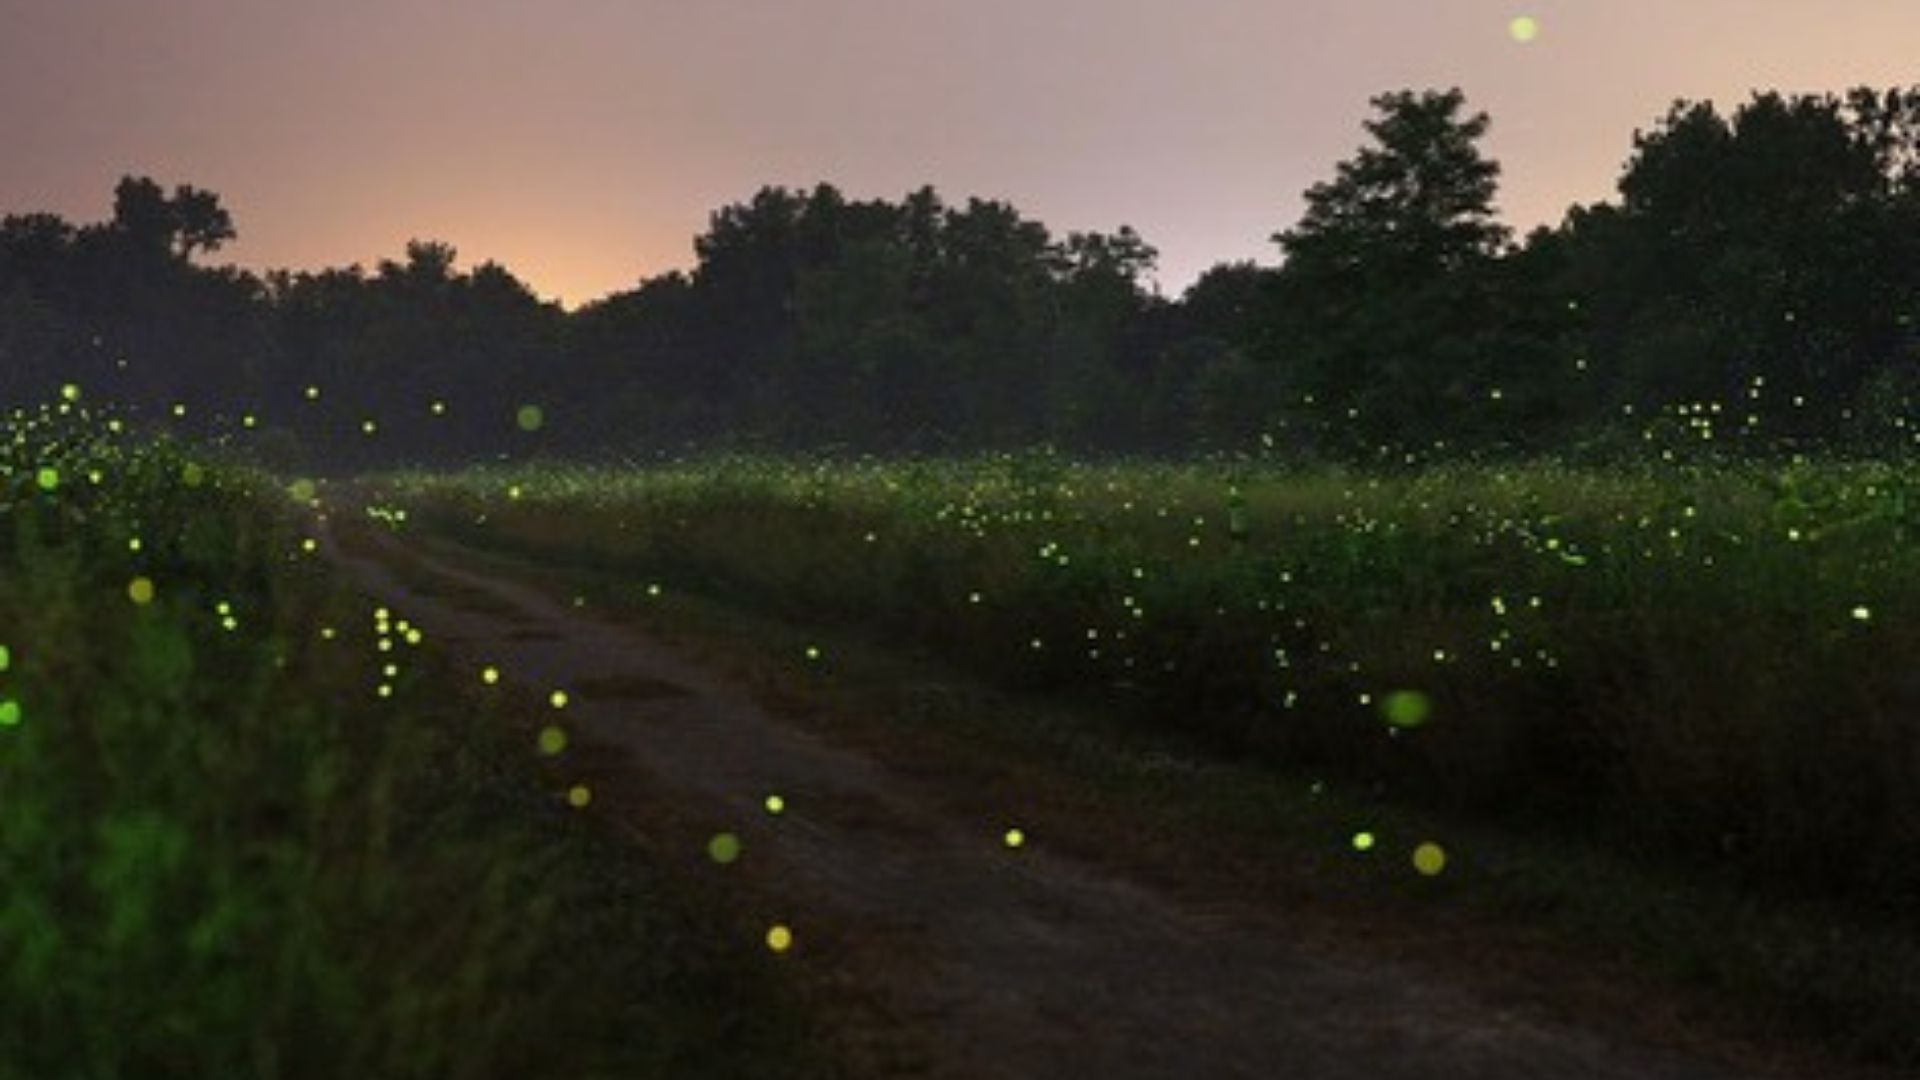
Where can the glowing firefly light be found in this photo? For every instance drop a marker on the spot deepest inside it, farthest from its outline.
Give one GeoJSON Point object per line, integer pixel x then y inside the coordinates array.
{"type": "Point", "coordinates": [724, 848]}
{"type": "Point", "coordinates": [779, 938]}
{"type": "Point", "coordinates": [1406, 708]}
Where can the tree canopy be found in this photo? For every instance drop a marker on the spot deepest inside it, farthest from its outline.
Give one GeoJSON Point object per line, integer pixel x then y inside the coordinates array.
{"type": "Point", "coordinates": [1754, 285]}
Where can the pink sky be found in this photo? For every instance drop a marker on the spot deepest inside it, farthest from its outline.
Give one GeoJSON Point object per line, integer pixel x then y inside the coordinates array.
{"type": "Point", "coordinates": [583, 142]}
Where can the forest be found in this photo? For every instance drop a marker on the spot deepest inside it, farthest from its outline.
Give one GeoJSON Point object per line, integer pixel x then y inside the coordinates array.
{"type": "Point", "coordinates": [1751, 290]}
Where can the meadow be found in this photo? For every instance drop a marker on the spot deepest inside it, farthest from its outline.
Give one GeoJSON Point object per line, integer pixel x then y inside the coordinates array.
{"type": "Point", "coordinates": [253, 827]}
{"type": "Point", "coordinates": [256, 825]}
{"type": "Point", "coordinates": [1705, 663]}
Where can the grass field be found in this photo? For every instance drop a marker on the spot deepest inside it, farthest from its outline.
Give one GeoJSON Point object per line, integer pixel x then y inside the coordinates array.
{"type": "Point", "coordinates": [1668, 712]}
{"type": "Point", "coordinates": [254, 827]}
{"type": "Point", "coordinates": [250, 831]}
{"type": "Point", "coordinates": [1706, 663]}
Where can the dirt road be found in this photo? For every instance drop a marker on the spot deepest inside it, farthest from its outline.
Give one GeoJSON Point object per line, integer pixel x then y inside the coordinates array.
{"type": "Point", "coordinates": [953, 955]}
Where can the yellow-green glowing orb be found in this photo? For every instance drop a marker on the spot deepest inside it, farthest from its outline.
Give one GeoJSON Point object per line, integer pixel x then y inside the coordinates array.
{"type": "Point", "coordinates": [558, 699]}
{"type": "Point", "coordinates": [1014, 838]}
{"type": "Point", "coordinates": [1406, 708]}
{"type": "Point", "coordinates": [1863, 613]}
{"type": "Point", "coordinates": [578, 796]}
{"type": "Point", "coordinates": [530, 418]}
{"type": "Point", "coordinates": [489, 674]}
{"type": "Point", "coordinates": [70, 392]}
{"type": "Point", "coordinates": [1363, 841]}
{"type": "Point", "coordinates": [6, 658]}
{"type": "Point", "coordinates": [48, 478]}
{"type": "Point", "coordinates": [140, 590]}
{"type": "Point", "coordinates": [552, 740]}
{"type": "Point", "coordinates": [1523, 28]}
{"type": "Point", "coordinates": [301, 490]}
{"type": "Point", "coordinates": [779, 938]}
{"type": "Point", "coordinates": [313, 393]}
{"type": "Point", "coordinates": [1429, 858]}
{"type": "Point", "coordinates": [723, 848]}
{"type": "Point", "coordinates": [9, 712]}
{"type": "Point", "coordinates": [776, 805]}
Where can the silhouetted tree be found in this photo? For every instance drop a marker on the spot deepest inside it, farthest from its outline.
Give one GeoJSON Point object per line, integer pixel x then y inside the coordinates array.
{"type": "Point", "coordinates": [1383, 301]}
{"type": "Point", "coordinates": [1762, 262]}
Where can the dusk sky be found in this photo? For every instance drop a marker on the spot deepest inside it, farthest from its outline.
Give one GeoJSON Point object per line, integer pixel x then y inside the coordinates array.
{"type": "Point", "coordinates": [582, 143]}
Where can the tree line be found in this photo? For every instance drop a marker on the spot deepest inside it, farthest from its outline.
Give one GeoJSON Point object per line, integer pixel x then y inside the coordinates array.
{"type": "Point", "coordinates": [1754, 285]}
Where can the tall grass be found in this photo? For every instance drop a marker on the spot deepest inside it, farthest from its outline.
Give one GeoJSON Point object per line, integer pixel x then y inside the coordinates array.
{"type": "Point", "coordinates": [1706, 662]}
{"type": "Point", "coordinates": [237, 843]}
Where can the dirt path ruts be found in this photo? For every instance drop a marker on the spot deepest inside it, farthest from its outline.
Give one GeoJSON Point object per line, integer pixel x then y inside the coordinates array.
{"type": "Point", "coordinates": [992, 963]}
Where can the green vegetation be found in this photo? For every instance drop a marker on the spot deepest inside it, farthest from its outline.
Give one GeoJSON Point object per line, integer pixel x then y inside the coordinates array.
{"type": "Point", "coordinates": [250, 833]}
{"type": "Point", "coordinates": [1699, 663]}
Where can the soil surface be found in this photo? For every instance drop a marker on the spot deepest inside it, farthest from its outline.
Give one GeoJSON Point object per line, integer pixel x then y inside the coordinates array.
{"type": "Point", "coordinates": [943, 952]}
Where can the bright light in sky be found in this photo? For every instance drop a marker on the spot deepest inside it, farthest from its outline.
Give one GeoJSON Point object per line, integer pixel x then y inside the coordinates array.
{"type": "Point", "coordinates": [583, 144]}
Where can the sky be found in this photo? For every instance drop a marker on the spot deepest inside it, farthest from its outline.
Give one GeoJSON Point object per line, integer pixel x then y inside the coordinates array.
{"type": "Point", "coordinates": [583, 143]}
